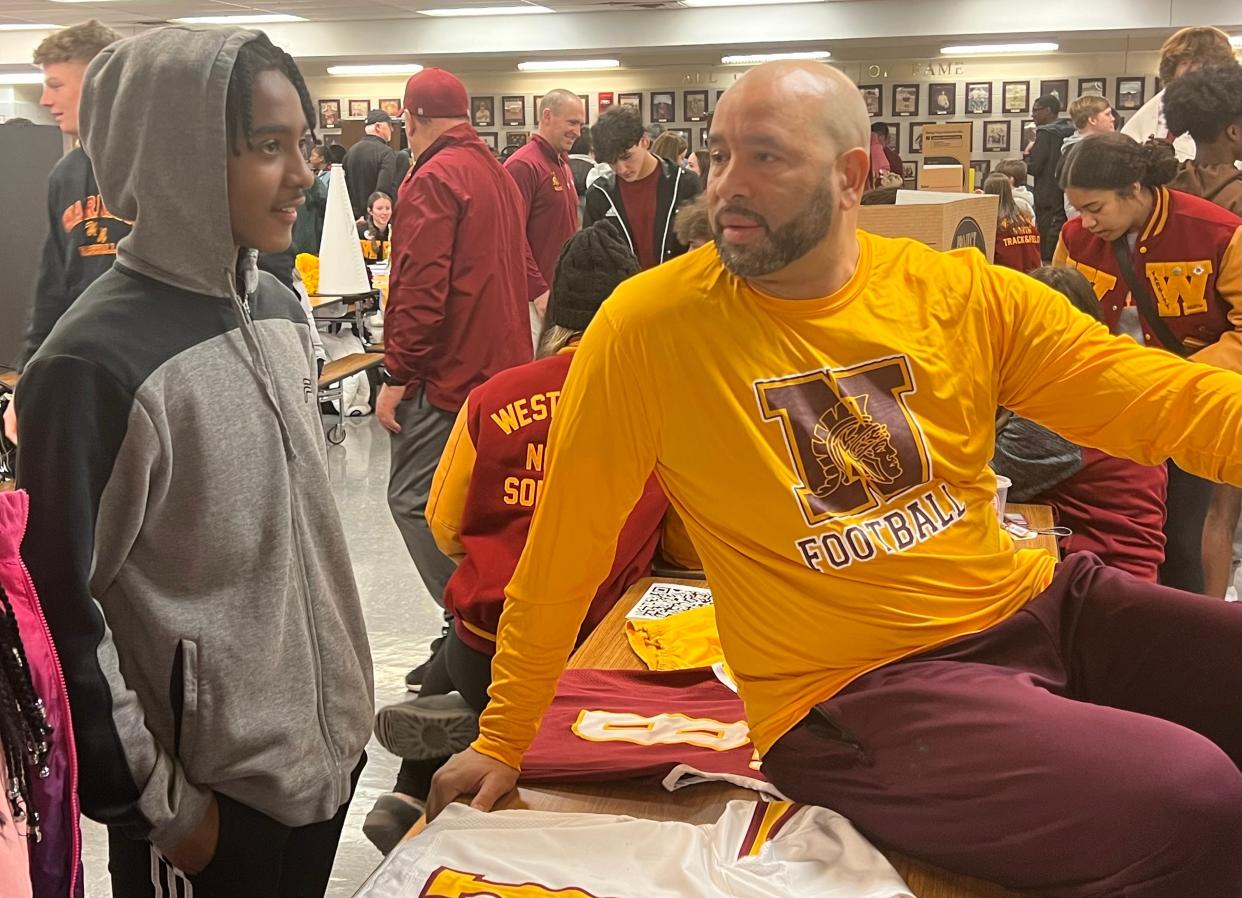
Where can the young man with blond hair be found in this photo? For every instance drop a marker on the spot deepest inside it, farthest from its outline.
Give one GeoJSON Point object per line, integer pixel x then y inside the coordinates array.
{"type": "Point", "coordinates": [82, 233]}
{"type": "Point", "coordinates": [1090, 115]}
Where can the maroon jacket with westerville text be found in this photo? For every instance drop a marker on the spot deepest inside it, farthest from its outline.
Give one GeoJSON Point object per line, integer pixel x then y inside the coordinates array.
{"type": "Point", "coordinates": [1189, 253]}
{"type": "Point", "coordinates": [462, 274]}
{"type": "Point", "coordinates": [485, 492]}
{"type": "Point", "coordinates": [547, 184]}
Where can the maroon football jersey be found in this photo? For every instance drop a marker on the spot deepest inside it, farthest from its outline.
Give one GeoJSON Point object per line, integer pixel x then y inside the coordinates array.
{"type": "Point", "coordinates": [676, 727]}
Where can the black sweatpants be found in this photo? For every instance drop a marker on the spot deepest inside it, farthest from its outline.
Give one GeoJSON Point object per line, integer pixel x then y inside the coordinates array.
{"type": "Point", "coordinates": [256, 857]}
{"type": "Point", "coordinates": [1186, 508]}
{"type": "Point", "coordinates": [1049, 220]}
{"type": "Point", "coordinates": [456, 667]}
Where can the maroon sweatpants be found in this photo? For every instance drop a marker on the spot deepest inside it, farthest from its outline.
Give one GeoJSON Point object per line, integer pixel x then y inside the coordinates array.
{"type": "Point", "coordinates": [1088, 746]}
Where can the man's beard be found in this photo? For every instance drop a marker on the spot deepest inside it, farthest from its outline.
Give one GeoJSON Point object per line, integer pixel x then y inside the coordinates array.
{"type": "Point", "coordinates": [787, 244]}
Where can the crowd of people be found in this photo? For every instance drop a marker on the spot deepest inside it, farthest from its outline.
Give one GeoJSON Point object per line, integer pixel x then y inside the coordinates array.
{"type": "Point", "coordinates": [602, 350]}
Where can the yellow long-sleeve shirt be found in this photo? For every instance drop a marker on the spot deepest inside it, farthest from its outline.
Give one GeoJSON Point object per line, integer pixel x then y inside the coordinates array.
{"type": "Point", "coordinates": [829, 459]}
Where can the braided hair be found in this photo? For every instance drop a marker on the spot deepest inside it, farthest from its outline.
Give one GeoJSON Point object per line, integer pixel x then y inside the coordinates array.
{"type": "Point", "coordinates": [24, 730]}
{"type": "Point", "coordinates": [253, 59]}
{"type": "Point", "coordinates": [1116, 162]}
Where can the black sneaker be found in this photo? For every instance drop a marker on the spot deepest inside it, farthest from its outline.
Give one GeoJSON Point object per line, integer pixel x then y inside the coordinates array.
{"type": "Point", "coordinates": [414, 679]}
{"type": "Point", "coordinates": [427, 727]}
{"type": "Point", "coordinates": [390, 819]}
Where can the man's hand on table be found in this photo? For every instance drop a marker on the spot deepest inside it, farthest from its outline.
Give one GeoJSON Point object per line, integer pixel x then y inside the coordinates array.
{"type": "Point", "coordinates": [470, 773]}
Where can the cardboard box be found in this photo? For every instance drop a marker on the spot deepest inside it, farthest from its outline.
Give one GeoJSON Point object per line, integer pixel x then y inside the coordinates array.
{"type": "Point", "coordinates": [949, 144]}
{"type": "Point", "coordinates": [946, 178]}
{"type": "Point", "coordinates": [941, 220]}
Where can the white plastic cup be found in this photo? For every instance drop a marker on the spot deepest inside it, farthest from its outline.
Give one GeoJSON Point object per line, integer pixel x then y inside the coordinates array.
{"type": "Point", "coordinates": [1002, 492]}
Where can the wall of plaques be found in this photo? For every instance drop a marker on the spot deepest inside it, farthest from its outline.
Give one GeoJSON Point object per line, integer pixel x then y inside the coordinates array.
{"type": "Point", "coordinates": [995, 94]}
{"type": "Point", "coordinates": [999, 110]}
{"type": "Point", "coordinates": [508, 119]}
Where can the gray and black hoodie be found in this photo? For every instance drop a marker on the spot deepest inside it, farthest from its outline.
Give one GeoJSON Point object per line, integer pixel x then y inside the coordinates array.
{"type": "Point", "coordinates": [182, 530]}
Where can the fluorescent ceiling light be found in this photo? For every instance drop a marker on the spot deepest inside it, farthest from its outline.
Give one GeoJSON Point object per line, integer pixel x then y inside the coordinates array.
{"type": "Point", "coordinates": [394, 68]}
{"type": "Point", "coordinates": [31, 27]}
{"type": "Point", "coordinates": [1236, 40]}
{"type": "Point", "coordinates": [994, 49]}
{"type": "Point", "coordinates": [527, 10]}
{"type": "Point", "coordinates": [739, 2]}
{"type": "Point", "coordinates": [254, 19]}
{"type": "Point", "coordinates": [21, 77]}
{"type": "Point", "coordinates": [568, 65]}
{"type": "Point", "coordinates": [757, 58]}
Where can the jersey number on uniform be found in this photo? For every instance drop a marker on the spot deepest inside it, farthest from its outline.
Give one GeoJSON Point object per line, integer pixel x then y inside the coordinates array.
{"type": "Point", "coordinates": [662, 729]}
{"type": "Point", "coordinates": [449, 883]}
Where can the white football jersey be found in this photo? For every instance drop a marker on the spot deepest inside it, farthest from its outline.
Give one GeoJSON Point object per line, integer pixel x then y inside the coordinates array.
{"type": "Point", "coordinates": [755, 850]}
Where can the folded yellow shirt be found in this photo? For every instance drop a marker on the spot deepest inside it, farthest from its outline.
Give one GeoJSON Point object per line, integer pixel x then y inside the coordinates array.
{"type": "Point", "coordinates": [677, 642]}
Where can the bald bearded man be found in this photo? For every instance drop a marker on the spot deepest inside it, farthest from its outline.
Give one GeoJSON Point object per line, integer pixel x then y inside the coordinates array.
{"type": "Point", "coordinates": [818, 404]}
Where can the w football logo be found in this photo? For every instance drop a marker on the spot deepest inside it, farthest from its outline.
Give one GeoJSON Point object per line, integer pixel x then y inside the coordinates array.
{"type": "Point", "coordinates": [850, 446]}
{"type": "Point", "coordinates": [853, 442]}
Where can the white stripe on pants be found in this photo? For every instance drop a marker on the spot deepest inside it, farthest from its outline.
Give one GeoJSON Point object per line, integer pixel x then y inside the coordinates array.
{"type": "Point", "coordinates": [169, 882]}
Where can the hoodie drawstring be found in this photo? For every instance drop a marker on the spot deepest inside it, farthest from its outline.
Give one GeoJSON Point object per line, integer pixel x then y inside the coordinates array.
{"type": "Point", "coordinates": [248, 281]}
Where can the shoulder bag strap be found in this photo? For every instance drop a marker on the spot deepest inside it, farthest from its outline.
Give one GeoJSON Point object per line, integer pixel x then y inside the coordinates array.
{"type": "Point", "coordinates": [1142, 299]}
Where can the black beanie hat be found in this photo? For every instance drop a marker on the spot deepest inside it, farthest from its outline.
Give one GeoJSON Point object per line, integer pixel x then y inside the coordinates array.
{"type": "Point", "coordinates": [592, 263]}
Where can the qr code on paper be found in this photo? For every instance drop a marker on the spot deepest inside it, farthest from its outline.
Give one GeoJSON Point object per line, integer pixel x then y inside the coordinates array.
{"type": "Point", "coordinates": [663, 600]}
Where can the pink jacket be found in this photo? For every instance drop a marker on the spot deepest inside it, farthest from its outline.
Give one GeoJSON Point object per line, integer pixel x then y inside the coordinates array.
{"type": "Point", "coordinates": [56, 859]}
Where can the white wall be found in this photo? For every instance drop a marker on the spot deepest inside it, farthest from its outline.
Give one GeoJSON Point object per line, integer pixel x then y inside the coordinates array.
{"type": "Point", "coordinates": [23, 101]}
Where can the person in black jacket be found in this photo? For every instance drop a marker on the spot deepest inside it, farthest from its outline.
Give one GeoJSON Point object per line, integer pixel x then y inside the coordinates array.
{"type": "Point", "coordinates": [582, 163]}
{"type": "Point", "coordinates": [642, 191]}
{"type": "Point", "coordinates": [82, 234]}
{"type": "Point", "coordinates": [371, 164]}
{"type": "Point", "coordinates": [1050, 133]}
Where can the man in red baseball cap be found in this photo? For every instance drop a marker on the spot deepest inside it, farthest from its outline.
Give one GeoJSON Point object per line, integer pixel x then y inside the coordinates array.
{"type": "Point", "coordinates": [457, 313]}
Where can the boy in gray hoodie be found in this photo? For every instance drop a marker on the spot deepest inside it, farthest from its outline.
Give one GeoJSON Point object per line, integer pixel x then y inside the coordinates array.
{"type": "Point", "coordinates": [182, 527]}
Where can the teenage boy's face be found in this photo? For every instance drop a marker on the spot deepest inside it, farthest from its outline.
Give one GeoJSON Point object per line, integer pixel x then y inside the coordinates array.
{"type": "Point", "coordinates": [1103, 123]}
{"type": "Point", "coordinates": [629, 165]}
{"type": "Point", "coordinates": [62, 89]}
{"type": "Point", "coordinates": [268, 178]}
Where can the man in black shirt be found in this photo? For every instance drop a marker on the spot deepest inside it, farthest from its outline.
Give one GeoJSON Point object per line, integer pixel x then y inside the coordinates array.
{"type": "Point", "coordinates": [371, 164]}
{"type": "Point", "coordinates": [1050, 133]}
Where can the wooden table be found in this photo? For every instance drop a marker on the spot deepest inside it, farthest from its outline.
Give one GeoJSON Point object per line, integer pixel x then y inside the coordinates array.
{"type": "Point", "coordinates": [1040, 518]}
{"type": "Point", "coordinates": [607, 648]}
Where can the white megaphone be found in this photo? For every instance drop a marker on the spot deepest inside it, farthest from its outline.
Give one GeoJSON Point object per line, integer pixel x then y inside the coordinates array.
{"type": "Point", "coordinates": [341, 269]}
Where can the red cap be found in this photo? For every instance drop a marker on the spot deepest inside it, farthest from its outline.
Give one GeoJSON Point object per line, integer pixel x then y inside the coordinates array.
{"type": "Point", "coordinates": [436, 94]}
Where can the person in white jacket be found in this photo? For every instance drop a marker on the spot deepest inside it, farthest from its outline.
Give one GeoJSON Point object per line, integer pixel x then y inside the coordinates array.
{"type": "Point", "coordinates": [1186, 51]}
